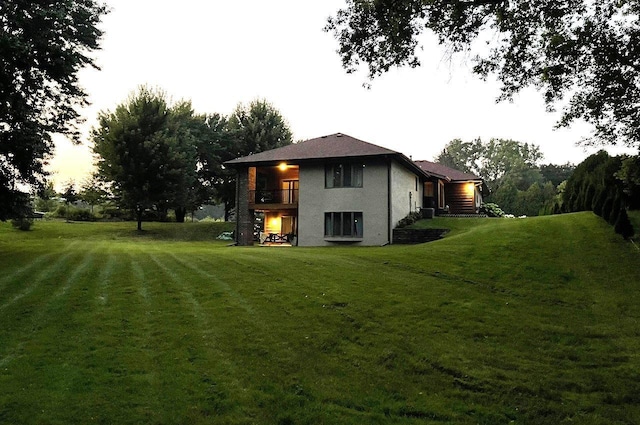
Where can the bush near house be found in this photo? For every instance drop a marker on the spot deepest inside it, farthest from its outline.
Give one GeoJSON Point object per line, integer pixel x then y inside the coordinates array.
{"type": "Point", "coordinates": [491, 209]}
{"type": "Point", "coordinates": [411, 218]}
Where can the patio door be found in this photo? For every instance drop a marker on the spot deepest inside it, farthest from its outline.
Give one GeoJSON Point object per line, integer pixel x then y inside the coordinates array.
{"type": "Point", "coordinates": [290, 191]}
{"type": "Point", "coordinates": [287, 224]}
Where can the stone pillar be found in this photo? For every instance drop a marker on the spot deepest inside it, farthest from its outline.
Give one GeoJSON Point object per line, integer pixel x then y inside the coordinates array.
{"type": "Point", "coordinates": [244, 216]}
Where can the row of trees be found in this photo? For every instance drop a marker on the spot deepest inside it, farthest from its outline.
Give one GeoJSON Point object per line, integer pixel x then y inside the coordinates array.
{"type": "Point", "coordinates": [512, 170]}
{"type": "Point", "coordinates": [154, 155]}
{"type": "Point", "coordinates": [608, 186]}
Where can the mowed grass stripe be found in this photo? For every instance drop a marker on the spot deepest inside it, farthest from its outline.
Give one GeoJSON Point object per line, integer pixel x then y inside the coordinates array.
{"type": "Point", "coordinates": [30, 311]}
{"type": "Point", "coordinates": [50, 348]}
{"type": "Point", "coordinates": [12, 272]}
{"type": "Point", "coordinates": [212, 280]}
{"type": "Point", "coordinates": [26, 278]}
{"type": "Point", "coordinates": [190, 339]}
{"type": "Point", "coordinates": [35, 277]}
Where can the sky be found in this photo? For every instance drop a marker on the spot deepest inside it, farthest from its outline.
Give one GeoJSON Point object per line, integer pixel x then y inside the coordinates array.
{"type": "Point", "coordinates": [219, 54]}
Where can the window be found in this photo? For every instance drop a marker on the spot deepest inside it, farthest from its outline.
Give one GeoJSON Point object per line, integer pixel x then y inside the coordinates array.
{"type": "Point", "coordinates": [343, 175]}
{"type": "Point", "coordinates": [428, 189]}
{"type": "Point", "coordinates": [345, 224]}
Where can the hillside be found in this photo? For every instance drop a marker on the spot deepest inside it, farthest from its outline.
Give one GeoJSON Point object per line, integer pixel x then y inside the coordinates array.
{"type": "Point", "coordinates": [504, 321]}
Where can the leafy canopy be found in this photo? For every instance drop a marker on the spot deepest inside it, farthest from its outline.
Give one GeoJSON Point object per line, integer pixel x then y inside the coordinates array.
{"type": "Point", "coordinates": [146, 151]}
{"type": "Point", "coordinates": [492, 160]}
{"type": "Point", "coordinates": [43, 45]}
{"type": "Point", "coordinates": [582, 54]}
{"type": "Point", "coordinates": [253, 128]}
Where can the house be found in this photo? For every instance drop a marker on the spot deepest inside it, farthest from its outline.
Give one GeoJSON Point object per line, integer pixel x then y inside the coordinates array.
{"type": "Point", "coordinates": [329, 190]}
{"type": "Point", "coordinates": [450, 191]}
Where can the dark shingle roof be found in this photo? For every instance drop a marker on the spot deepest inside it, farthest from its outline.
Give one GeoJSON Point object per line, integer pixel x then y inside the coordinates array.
{"type": "Point", "coordinates": [443, 171]}
{"type": "Point", "coordinates": [333, 146]}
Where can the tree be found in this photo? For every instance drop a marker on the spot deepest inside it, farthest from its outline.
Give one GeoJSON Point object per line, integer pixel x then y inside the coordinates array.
{"type": "Point", "coordinates": [93, 192]}
{"type": "Point", "coordinates": [577, 52]}
{"type": "Point", "coordinates": [595, 174]}
{"type": "Point", "coordinates": [255, 128]}
{"type": "Point", "coordinates": [214, 146]}
{"type": "Point", "coordinates": [556, 174]}
{"type": "Point", "coordinates": [70, 196]}
{"type": "Point", "coordinates": [45, 200]}
{"type": "Point", "coordinates": [144, 152]}
{"type": "Point", "coordinates": [623, 226]}
{"type": "Point", "coordinates": [43, 45]}
{"type": "Point", "coordinates": [461, 155]}
{"type": "Point", "coordinates": [493, 160]}
{"type": "Point", "coordinates": [182, 131]}
{"type": "Point", "coordinates": [629, 174]}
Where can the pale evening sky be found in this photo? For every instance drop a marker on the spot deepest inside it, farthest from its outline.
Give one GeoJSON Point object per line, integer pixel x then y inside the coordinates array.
{"type": "Point", "coordinates": [218, 54]}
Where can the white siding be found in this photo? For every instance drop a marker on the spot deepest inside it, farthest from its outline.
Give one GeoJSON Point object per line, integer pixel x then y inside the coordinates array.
{"type": "Point", "coordinates": [404, 196]}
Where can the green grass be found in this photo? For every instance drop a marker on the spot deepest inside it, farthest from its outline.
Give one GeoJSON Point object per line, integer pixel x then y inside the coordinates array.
{"type": "Point", "coordinates": [529, 321]}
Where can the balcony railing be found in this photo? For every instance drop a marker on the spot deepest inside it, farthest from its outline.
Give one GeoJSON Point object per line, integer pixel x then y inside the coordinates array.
{"type": "Point", "coordinates": [278, 196]}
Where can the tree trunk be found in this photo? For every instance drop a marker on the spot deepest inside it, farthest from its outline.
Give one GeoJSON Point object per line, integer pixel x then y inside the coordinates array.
{"type": "Point", "coordinates": [181, 212]}
{"type": "Point", "coordinates": [227, 211]}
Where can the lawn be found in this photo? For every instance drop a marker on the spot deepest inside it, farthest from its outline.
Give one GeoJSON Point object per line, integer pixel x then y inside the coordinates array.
{"type": "Point", "coordinates": [530, 321]}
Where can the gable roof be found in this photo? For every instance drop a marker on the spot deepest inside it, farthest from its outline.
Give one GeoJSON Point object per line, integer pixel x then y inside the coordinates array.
{"type": "Point", "coordinates": [442, 171]}
{"type": "Point", "coordinates": [334, 146]}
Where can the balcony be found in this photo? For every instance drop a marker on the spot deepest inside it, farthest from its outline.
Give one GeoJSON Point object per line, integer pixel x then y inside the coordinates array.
{"type": "Point", "coordinates": [273, 199]}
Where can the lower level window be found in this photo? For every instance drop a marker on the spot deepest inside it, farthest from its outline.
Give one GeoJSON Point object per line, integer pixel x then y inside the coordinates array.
{"type": "Point", "coordinates": [348, 224]}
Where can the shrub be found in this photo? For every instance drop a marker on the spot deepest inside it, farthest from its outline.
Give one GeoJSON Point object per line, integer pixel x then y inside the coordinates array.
{"type": "Point", "coordinates": [22, 223]}
{"type": "Point", "coordinates": [411, 218]}
{"type": "Point", "coordinates": [116, 214]}
{"type": "Point", "coordinates": [623, 225]}
{"type": "Point", "coordinates": [607, 207]}
{"type": "Point", "coordinates": [81, 215]}
{"type": "Point", "coordinates": [615, 209]}
{"type": "Point", "coordinates": [492, 210]}
{"type": "Point", "coordinates": [60, 211]}
{"type": "Point", "coordinates": [598, 201]}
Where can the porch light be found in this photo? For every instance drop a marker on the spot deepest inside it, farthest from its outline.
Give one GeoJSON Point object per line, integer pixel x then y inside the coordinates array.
{"type": "Point", "coordinates": [470, 188]}
{"type": "Point", "coordinates": [282, 166]}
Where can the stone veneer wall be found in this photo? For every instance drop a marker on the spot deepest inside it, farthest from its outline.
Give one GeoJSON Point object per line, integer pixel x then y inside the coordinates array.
{"type": "Point", "coordinates": [413, 236]}
{"type": "Point", "coordinates": [244, 217]}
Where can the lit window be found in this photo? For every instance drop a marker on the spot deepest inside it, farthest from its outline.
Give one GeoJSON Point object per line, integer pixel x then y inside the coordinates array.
{"type": "Point", "coordinates": [345, 224]}
{"type": "Point", "coordinates": [428, 189]}
{"type": "Point", "coordinates": [343, 175]}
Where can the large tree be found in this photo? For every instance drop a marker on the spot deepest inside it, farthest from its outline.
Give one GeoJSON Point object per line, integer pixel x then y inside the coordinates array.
{"type": "Point", "coordinates": [254, 128]}
{"type": "Point", "coordinates": [146, 153]}
{"type": "Point", "coordinates": [582, 54]}
{"type": "Point", "coordinates": [43, 45]}
{"type": "Point", "coordinates": [214, 146]}
{"type": "Point", "coordinates": [510, 169]}
{"type": "Point", "coordinates": [494, 160]}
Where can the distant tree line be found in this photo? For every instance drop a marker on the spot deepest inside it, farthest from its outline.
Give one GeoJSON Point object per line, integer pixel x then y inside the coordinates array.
{"type": "Point", "coordinates": [513, 172]}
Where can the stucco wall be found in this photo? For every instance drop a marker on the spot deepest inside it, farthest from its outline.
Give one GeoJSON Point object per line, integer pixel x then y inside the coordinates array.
{"type": "Point", "coordinates": [370, 199]}
{"type": "Point", "coordinates": [404, 196]}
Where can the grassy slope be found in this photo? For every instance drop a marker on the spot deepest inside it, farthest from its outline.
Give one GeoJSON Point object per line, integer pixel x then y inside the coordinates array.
{"type": "Point", "coordinates": [532, 321]}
